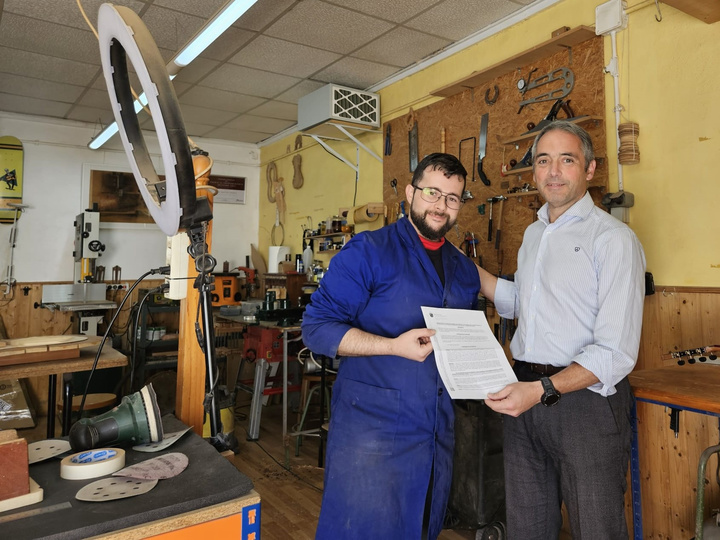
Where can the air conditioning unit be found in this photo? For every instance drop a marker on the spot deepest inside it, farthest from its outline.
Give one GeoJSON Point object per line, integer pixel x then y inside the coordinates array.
{"type": "Point", "coordinates": [333, 102]}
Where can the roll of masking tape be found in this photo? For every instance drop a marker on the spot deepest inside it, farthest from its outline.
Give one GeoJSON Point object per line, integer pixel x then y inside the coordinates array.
{"type": "Point", "coordinates": [92, 463]}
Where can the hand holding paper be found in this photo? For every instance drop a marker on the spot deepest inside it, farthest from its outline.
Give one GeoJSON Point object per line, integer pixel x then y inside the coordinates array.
{"type": "Point", "coordinates": [469, 359]}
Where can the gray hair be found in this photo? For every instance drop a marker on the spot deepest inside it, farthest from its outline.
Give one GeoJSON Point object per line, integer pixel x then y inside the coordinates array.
{"type": "Point", "coordinates": [586, 144]}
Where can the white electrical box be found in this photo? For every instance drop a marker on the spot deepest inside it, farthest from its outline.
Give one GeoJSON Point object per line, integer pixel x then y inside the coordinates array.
{"type": "Point", "coordinates": [333, 102]}
{"type": "Point", "coordinates": [610, 17]}
{"type": "Point", "coordinates": [178, 258]}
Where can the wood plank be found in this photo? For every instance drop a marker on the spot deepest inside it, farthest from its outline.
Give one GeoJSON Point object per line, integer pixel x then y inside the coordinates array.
{"type": "Point", "coordinates": [694, 386]}
{"type": "Point", "coordinates": [707, 11]}
{"type": "Point", "coordinates": [560, 43]}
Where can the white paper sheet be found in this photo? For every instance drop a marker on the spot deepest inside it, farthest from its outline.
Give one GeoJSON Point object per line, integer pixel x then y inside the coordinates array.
{"type": "Point", "coordinates": [470, 360]}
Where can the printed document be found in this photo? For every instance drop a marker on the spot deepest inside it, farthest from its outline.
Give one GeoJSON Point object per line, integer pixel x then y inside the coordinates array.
{"type": "Point", "coordinates": [470, 360]}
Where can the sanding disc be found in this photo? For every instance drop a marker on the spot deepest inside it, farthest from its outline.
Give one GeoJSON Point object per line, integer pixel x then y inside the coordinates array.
{"type": "Point", "coordinates": [157, 468]}
{"type": "Point", "coordinates": [168, 440]}
{"type": "Point", "coordinates": [49, 448]}
{"type": "Point", "coordinates": [111, 489]}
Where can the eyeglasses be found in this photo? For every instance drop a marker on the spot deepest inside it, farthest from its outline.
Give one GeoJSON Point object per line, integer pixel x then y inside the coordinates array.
{"type": "Point", "coordinates": [432, 195]}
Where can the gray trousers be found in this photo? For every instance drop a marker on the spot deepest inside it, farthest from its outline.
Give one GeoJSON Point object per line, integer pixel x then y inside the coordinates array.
{"type": "Point", "coordinates": [577, 452]}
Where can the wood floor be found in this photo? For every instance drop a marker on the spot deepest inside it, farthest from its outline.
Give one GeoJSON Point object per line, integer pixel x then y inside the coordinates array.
{"type": "Point", "coordinates": [290, 498]}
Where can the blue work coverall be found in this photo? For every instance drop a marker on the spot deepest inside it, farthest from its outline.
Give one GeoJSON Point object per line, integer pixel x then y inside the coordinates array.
{"type": "Point", "coordinates": [391, 427]}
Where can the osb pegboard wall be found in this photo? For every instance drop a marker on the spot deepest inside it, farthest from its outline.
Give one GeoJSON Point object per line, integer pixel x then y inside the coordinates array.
{"type": "Point", "coordinates": [459, 118]}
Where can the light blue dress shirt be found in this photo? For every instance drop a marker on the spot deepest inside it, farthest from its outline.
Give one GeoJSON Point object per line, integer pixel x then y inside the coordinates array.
{"type": "Point", "coordinates": [578, 294]}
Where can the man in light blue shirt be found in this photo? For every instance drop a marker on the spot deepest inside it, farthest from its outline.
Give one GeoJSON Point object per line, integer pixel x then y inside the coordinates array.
{"type": "Point", "coordinates": [578, 296]}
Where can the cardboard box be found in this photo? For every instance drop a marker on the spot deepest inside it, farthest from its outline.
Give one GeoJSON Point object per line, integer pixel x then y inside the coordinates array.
{"type": "Point", "coordinates": [15, 409]}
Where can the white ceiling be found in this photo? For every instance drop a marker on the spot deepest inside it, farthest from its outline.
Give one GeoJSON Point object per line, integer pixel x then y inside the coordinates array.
{"type": "Point", "coordinates": [245, 86]}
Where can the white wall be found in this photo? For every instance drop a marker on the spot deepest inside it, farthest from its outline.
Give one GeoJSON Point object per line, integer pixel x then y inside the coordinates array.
{"type": "Point", "coordinates": [55, 186]}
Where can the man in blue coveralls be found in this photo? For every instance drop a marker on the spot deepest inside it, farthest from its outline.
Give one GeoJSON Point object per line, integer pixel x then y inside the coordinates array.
{"type": "Point", "coordinates": [390, 441]}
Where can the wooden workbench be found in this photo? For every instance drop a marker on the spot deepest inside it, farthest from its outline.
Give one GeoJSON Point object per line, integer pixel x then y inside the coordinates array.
{"type": "Point", "coordinates": [691, 388]}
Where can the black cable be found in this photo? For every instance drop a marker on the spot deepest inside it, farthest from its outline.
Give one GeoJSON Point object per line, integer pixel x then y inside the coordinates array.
{"type": "Point", "coordinates": [135, 331]}
{"type": "Point", "coordinates": [319, 490]}
{"type": "Point", "coordinates": [162, 270]}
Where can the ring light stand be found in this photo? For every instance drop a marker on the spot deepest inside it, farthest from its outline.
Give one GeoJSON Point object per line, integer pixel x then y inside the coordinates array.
{"type": "Point", "coordinates": [172, 203]}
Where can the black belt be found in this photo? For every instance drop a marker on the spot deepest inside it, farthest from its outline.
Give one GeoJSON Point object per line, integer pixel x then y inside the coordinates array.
{"type": "Point", "coordinates": [541, 369]}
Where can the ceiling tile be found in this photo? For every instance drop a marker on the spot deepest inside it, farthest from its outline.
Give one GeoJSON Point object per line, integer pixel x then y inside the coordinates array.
{"type": "Point", "coordinates": [342, 30]}
{"type": "Point", "coordinates": [44, 67]}
{"type": "Point", "coordinates": [25, 86]}
{"type": "Point", "coordinates": [227, 44]}
{"type": "Point", "coordinates": [92, 115]}
{"type": "Point", "coordinates": [211, 117]}
{"type": "Point", "coordinates": [397, 11]}
{"type": "Point", "coordinates": [203, 96]}
{"type": "Point", "coordinates": [98, 99]}
{"type": "Point", "coordinates": [46, 38]}
{"type": "Point", "coordinates": [171, 29]}
{"type": "Point", "coordinates": [196, 70]}
{"type": "Point", "coordinates": [277, 109]}
{"type": "Point", "coordinates": [27, 105]}
{"type": "Point", "coordinates": [263, 13]}
{"type": "Point", "coordinates": [181, 87]}
{"type": "Point", "coordinates": [204, 9]}
{"type": "Point", "coordinates": [456, 19]}
{"type": "Point", "coordinates": [250, 122]}
{"type": "Point", "coordinates": [355, 73]}
{"type": "Point", "coordinates": [197, 130]}
{"type": "Point", "coordinates": [65, 12]}
{"type": "Point", "coordinates": [299, 90]}
{"type": "Point", "coordinates": [248, 81]}
{"type": "Point", "coordinates": [281, 56]}
{"type": "Point", "coordinates": [401, 47]}
{"type": "Point", "coordinates": [237, 135]}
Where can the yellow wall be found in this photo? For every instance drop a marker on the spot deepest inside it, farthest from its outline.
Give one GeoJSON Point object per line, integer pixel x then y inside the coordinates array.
{"type": "Point", "coordinates": [329, 184]}
{"type": "Point", "coordinates": [669, 86]}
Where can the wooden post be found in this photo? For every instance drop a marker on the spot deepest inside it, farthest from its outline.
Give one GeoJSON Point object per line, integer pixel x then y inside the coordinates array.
{"type": "Point", "coordinates": [191, 360]}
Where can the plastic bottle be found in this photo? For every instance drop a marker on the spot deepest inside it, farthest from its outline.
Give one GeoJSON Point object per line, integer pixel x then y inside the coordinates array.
{"type": "Point", "coordinates": [299, 268]}
{"type": "Point", "coordinates": [308, 256]}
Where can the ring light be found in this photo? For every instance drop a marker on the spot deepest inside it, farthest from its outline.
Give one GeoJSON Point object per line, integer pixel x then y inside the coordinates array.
{"type": "Point", "coordinates": [123, 35]}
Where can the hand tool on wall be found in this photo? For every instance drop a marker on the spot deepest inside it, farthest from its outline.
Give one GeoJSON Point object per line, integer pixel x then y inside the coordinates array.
{"type": "Point", "coordinates": [388, 142]}
{"type": "Point", "coordinates": [413, 146]}
{"type": "Point", "coordinates": [491, 200]}
{"type": "Point", "coordinates": [460, 154]}
{"type": "Point", "coordinates": [522, 83]}
{"type": "Point", "coordinates": [559, 105]}
{"type": "Point", "coordinates": [501, 199]}
{"type": "Point", "coordinates": [563, 74]}
{"type": "Point", "coordinates": [491, 100]}
{"type": "Point", "coordinates": [393, 184]}
{"type": "Point", "coordinates": [482, 144]}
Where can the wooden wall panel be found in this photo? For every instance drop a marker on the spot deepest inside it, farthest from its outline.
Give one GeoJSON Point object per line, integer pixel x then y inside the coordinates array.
{"type": "Point", "coordinates": [675, 319]}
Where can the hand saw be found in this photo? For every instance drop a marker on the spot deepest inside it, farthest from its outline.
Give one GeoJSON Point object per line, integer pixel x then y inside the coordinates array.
{"type": "Point", "coordinates": [563, 73]}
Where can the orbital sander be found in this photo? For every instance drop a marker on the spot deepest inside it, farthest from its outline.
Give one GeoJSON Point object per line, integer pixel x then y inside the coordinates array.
{"type": "Point", "coordinates": [136, 419]}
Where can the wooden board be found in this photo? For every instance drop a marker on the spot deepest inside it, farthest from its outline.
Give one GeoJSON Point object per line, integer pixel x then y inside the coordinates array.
{"type": "Point", "coordinates": [42, 348]}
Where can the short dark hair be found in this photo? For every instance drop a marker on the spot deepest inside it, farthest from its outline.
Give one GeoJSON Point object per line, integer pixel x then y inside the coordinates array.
{"type": "Point", "coordinates": [446, 163]}
{"type": "Point", "coordinates": [586, 144]}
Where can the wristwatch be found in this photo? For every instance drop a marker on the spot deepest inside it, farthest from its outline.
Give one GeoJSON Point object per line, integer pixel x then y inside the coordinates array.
{"type": "Point", "coordinates": [551, 396]}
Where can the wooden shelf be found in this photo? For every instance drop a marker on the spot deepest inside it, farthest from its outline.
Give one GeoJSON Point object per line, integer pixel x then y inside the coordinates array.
{"type": "Point", "coordinates": [577, 120]}
{"type": "Point", "coordinates": [704, 10]}
{"type": "Point", "coordinates": [560, 43]}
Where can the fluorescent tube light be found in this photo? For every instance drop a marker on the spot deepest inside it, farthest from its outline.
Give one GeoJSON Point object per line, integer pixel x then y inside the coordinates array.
{"type": "Point", "coordinates": [222, 20]}
{"type": "Point", "coordinates": [217, 25]}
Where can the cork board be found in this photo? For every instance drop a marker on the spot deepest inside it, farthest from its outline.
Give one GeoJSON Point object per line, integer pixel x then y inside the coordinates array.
{"type": "Point", "coordinates": [457, 119]}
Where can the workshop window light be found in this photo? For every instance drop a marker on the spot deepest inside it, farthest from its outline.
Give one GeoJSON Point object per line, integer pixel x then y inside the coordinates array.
{"type": "Point", "coordinates": [232, 11]}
